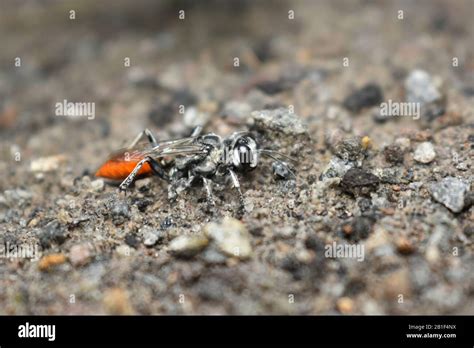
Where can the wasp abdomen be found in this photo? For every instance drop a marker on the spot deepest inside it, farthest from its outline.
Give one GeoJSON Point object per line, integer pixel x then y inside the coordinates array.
{"type": "Point", "coordinates": [119, 170]}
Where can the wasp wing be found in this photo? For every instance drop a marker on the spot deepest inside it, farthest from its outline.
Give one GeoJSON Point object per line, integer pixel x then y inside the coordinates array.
{"type": "Point", "coordinates": [121, 163]}
{"type": "Point", "coordinates": [178, 147]}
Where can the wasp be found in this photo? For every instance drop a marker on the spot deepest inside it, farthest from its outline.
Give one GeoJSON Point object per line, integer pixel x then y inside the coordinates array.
{"type": "Point", "coordinates": [183, 162]}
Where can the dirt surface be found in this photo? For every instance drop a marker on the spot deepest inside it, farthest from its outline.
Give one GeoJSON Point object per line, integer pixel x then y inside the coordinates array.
{"type": "Point", "coordinates": [397, 187]}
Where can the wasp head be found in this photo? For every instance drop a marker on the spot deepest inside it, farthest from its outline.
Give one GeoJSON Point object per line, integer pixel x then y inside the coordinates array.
{"type": "Point", "coordinates": [244, 153]}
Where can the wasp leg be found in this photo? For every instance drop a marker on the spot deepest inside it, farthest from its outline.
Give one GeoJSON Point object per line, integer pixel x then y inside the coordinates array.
{"type": "Point", "coordinates": [157, 169]}
{"type": "Point", "coordinates": [210, 198]}
{"type": "Point", "coordinates": [178, 186]}
{"type": "Point", "coordinates": [149, 135]}
{"type": "Point", "coordinates": [196, 131]}
{"type": "Point", "coordinates": [155, 166]}
{"type": "Point", "coordinates": [236, 183]}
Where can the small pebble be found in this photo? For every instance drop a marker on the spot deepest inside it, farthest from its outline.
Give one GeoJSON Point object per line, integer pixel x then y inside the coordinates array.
{"type": "Point", "coordinates": [131, 240]}
{"type": "Point", "coordinates": [403, 142]}
{"type": "Point", "coordinates": [97, 185]}
{"type": "Point", "coordinates": [19, 196]}
{"type": "Point", "coordinates": [188, 246]}
{"type": "Point", "coordinates": [52, 233]}
{"type": "Point", "coordinates": [79, 255]}
{"type": "Point", "coordinates": [116, 302]}
{"type": "Point", "coordinates": [421, 88]}
{"type": "Point", "coordinates": [462, 166]}
{"type": "Point", "coordinates": [281, 120]}
{"type": "Point", "coordinates": [366, 142]}
{"type": "Point", "coordinates": [49, 261]}
{"type": "Point", "coordinates": [345, 305]}
{"type": "Point", "coordinates": [336, 168]}
{"type": "Point", "coordinates": [231, 237]}
{"type": "Point", "coordinates": [424, 153]}
{"type": "Point", "coordinates": [395, 284]}
{"type": "Point", "coordinates": [124, 250]}
{"type": "Point", "coordinates": [359, 182]}
{"type": "Point", "coordinates": [212, 256]}
{"type": "Point", "coordinates": [151, 236]}
{"type": "Point", "coordinates": [357, 228]}
{"type": "Point", "coordinates": [143, 184]}
{"type": "Point", "coordinates": [349, 149]}
{"type": "Point", "coordinates": [469, 231]}
{"type": "Point", "coordinates": [67, 182]}
{"type": "Point", "coordinates": [120, 211]}
{"type": "Point", "coordinates": [281, 171]}
{"type": "Point", "coordinates": [150, 239]}
{"type": "Point", "coordinates": [393, 154]}
{"type": "Point", "coordinates": [404, 246]}
{"type": "Point", "coordinates": [47, 164]}
{"type": "Point", "coordinates": [425, 90]}
{"type": "Point", "coordinates": [451, 192]}
{"type": "Point", "coordinates": [194, 117]}
{"type": "Point", "coordinates": [236, 110]}
{"type": "Point", "coordinates": [249, 205]}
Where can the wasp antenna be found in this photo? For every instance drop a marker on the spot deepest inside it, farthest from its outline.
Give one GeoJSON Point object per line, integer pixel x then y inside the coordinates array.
{"type": "Point", "coordinates": [271, 152]}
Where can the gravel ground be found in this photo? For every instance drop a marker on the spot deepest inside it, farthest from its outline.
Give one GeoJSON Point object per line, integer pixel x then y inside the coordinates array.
{"type": "Point", "coordinates": [396, 188]}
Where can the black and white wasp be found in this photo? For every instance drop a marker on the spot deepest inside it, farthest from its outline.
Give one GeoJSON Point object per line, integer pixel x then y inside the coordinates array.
{"type": "Point", "coordinates": [183, 162]}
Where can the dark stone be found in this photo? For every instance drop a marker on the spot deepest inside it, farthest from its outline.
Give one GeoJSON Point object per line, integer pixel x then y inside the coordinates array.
{"type": "Point", "coordinates": [357, 228]}
{"type": "Point", "coordinates": [410, 175]}
{"type": "Point", "coordinates": [470, 138]}
{"type": "Point", "coordinates": [142, 203]}
{"type": "Point", "coordinates": [119, 211]}
{"type": "Point", "coordinates": [271, 87]}
{"type": "Point", "coordinates": [354, 287]}
{"type": "Point", "coordinates": [440, 22]}
{"type": "Point", "coordinates": [469, 199]}
{"type": "Point", "coordinates": [292, 265]}
{"type": "Point", "coordinates": [263, 50]}
{"type": "Point", "coordinates": [378, 117]}
{"type": "Point", "coordinates": [161, 113]}
{"type": "Point", "coordinates": [285, 82]}
{"type": "Point", "coordinates": [468, 91]}
{"type": "Point", "coordinates": [434, 111]}
{"type": "Point", "coordinates": [131, 240]}
{"type": "Point", "coordinates": [358, 182]}
{"type": "Point", "coordinates": [393, 154]}
{"type": "Point", "coordinates": [469, 231]}
{"type": "Point", "coordinates": [9, 240]}
{"type": "Point", "coordinates": [52, 233]}
{"type": "Point", "coordinates": [314, 243]}
{"type": "Point", "coordinates": [281, 171]}
{"type": "Point", "coordinates": [369, 95]}
{"type": "Point", "coordinates": [183, 97]}
{"type": "Point", "coordinates": [365, 204]}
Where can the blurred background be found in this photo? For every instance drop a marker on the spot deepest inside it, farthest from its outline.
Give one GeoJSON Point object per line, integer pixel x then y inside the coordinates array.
{"type": "Point", "coordinates": [191, 61]}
